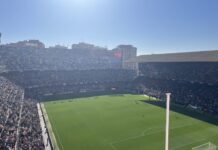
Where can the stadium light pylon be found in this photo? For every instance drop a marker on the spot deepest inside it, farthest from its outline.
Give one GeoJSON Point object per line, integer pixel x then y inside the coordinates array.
{"type": "Point", "coordinates": [167, 121]}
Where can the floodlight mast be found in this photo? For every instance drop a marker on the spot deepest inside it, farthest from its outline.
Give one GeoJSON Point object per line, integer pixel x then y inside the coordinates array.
{"type": "Point", "coordinates": [167, 121]}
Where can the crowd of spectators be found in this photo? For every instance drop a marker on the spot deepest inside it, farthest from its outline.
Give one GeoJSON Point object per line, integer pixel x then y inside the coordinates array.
{"type": "Point", "coordinates": [202, 72]}
{"type": "Point", "coordinates": [201, 96]}
{"type": "Point", "coordinates": [10, 104]}
{"type": "Point", "coordinates": [38, 83]}
{"type": "Point", "coordinates": [30, 79]}
{"type": "Point", "coordinates": [30, 130]}
{"type": "Point", "coordinates": [16, 58]}
{"type": "Point", "coordinates": [15, 114]}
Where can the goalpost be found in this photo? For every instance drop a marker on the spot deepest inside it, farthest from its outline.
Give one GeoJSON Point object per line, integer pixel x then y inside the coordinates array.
{"type": "Point", "coordinates": [206, 146]}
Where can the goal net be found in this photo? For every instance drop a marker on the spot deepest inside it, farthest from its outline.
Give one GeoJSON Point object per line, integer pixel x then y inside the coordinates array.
{"type": "Point", "coordinates": [206, 146]}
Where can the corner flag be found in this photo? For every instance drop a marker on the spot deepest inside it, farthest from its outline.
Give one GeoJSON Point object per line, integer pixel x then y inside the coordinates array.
{"type": "Point", "coordinates": [167, 120]}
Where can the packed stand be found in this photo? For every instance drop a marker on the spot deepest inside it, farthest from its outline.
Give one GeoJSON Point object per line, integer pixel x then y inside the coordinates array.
{"type": "Point", "coordinates": [203, 97]}
{"type": "Point", "coordinates": [201, 72]}
{"type": "Point", "coordinates": [38, 83]}
{"type": "Point", "coordinates": [11, 104]}
{"type": "Point", "coordinates": [30, 79]}
{"type": "Point", "coordinates": [17, 58]}
{"type": "Point", "coordinates": [30, 130]}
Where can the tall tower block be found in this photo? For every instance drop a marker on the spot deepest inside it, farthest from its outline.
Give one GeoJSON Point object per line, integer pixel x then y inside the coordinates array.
{"type": "Point", "coordinates": [127, 52]}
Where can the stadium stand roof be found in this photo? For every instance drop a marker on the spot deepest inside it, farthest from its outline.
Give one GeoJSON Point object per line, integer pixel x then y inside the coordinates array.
{"type": "Point", "coordinates": [200, 56]}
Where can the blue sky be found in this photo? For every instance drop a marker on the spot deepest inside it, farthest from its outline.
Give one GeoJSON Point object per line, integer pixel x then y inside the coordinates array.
{"type": "Point", "coordinates": [153, 26]}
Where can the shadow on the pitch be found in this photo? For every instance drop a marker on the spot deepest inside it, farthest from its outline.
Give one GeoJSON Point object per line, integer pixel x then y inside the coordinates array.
{"type": "Point", "coordinates": [188, 112]}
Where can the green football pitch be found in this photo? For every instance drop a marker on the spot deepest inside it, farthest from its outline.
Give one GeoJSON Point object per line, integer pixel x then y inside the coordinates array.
{"type": "Point", "coordinates": [123, 122]}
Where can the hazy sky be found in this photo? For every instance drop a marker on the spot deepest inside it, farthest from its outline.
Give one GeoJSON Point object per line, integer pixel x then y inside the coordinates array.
{"type": "Point", "coordinates": [153, 26]}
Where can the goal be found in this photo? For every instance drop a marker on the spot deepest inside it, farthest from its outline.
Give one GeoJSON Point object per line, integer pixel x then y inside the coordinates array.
{"type": "Point", "coordinates": [206, 146]}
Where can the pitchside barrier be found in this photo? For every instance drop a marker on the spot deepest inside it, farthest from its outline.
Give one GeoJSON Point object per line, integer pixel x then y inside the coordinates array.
{"type": "Point", "coordinates": [206, 146]}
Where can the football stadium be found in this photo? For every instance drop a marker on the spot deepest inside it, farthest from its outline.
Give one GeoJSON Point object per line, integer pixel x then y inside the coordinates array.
{"type": "Point", "coordinates": [93, 98]}
{"type": "Point", "coordinates": [108, 75]}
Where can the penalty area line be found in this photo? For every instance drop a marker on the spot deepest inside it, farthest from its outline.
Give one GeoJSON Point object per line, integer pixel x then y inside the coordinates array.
{"type": "Point", "coordinates": [146, 133]}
